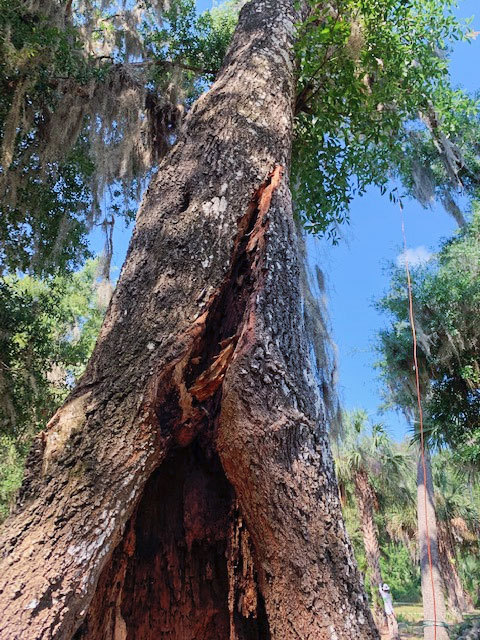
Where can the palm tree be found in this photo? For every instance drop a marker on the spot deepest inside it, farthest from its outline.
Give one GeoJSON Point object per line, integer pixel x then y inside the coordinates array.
{"type": "Point", "coordinates": [434, 610]}
{"type": "Point", "coordinates": [458, 520]}
{"type": "Point", "coordinates": [400, 511]}
{"type": "Point", "coordinates": [361, 456]}
{"type": "Point", "coordinates": [457, 523]}
{"type": "Point", "coordinates": [407, 385]}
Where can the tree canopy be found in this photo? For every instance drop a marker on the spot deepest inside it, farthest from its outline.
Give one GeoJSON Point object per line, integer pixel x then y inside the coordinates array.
{"type": "Point", "coordinates": [446, 295]}
{"type": "Point", "coordinates": [94, 93]}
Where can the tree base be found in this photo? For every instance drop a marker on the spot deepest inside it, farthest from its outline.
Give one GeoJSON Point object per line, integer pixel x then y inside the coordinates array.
{"type": "Point", "coordinates": [184, 568]}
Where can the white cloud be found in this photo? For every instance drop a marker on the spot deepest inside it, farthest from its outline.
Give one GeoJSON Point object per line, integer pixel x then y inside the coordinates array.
{"type": "Point", "coordinates": [415, 257]}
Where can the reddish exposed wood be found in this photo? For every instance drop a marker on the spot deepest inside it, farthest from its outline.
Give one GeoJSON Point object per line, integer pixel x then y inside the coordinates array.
{"type": "Point", "coordinates": [211, 379]}
{"type": "Point", "coordinates": [184, 570]}
{"type": "Point", "coordinates": [244, 599]}
{"type": "Point", "coordinates": [262, 201]}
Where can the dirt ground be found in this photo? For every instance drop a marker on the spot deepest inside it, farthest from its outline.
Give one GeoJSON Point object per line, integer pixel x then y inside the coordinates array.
{"type": "Point", "coordinates": [410, 618]}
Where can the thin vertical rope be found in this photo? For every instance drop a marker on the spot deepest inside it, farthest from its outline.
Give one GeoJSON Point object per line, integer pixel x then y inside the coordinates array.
{"type": "Point", "coordinates": [420, 415]}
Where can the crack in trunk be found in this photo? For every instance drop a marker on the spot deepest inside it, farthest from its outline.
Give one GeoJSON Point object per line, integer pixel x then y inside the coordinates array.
{"type": "Point", "coordinates": [185, 566]}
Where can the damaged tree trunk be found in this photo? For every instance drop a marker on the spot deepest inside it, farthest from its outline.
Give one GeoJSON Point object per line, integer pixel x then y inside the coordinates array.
{"type": "Point", "coordinates": [186, 489]}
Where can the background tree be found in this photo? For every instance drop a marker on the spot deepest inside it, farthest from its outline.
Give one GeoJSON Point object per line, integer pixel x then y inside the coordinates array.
{"type": "Point", "coordinates": [363, 459]}
{"type": "Point", "coordinates": [433, 596]}
{"type": "Point", "coordinates": [458, 521]}
{"type": "Point", "coordinates": [446, 294]}
{"type": "Point", "coordinates": [446, 343]}
{"type": "Point", "coordinates": [93, 94]}
{"type": "Point", "coordinates": [49, 328]}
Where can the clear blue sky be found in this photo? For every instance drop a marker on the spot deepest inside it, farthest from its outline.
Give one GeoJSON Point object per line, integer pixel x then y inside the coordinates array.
{"type": "Point", "coordinates": [355, 269]}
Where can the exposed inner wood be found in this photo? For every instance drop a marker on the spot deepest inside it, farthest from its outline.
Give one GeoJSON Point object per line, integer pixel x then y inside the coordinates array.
{"type": "Point", "coordinates": [185, 566]}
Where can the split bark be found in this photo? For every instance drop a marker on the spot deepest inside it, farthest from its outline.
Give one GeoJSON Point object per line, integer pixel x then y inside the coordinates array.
{"type": "Point", "coordinates": [186, 488]}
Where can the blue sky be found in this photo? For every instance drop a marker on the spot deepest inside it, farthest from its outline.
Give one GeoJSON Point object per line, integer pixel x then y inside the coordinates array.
{"type": "Point", "coordinates": [356, 268]}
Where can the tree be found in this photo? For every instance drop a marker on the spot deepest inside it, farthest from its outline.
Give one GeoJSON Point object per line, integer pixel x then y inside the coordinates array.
{"type": "Point", "coordinates": [396, 520]}
{"type": "Point", "coordinates": [447, 333]}
{"type": "Point", "coordinates": [458, 521]}
{"type": "Point", "coordinates": [173, 413]}
{"type": "Point", "coordinates": [406, 372]}
{"type": "Point", "coordinates": [186, 486]}
{"type": "Point", "coordinates": [402, 387]}
{"type": "Point", "coordinates": [446, 295]}
{"type": "Point", "coordinates": [92, 95]}
{"type": "Point", "coordinates": [49, 327]}
{"type": "Point", "coordinates": [434, 611]}
{"type": "Point", "coordinates": [358, 458]}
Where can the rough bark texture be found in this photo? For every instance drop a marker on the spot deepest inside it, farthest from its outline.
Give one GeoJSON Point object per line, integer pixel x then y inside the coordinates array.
{"type": "Point", "coordinates": [365, 502]}
{"type": "Point", "coordinates": [432, 584]}
{"type": "Point", "coordinates": [186, 488]}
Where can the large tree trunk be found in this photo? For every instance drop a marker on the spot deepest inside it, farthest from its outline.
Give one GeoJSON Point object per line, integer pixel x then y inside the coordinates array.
{"type": "Point", "coordinates": [365, 502]}
{"type": "Point", "coordinates": [186, 489]}
{"type": "Point", "coordinates": [432, 583]}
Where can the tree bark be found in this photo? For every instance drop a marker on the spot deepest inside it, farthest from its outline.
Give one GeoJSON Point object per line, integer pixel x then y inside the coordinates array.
{"type": "Point", "coordinates": [186, 489]}
{"type": "Point", "coordinates": [365, 502]}
{"type": "Point", "coordinates": [432, 584]}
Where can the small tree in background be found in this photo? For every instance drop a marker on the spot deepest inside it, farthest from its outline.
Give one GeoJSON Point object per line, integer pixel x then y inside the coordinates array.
{"type": "Point", "coordinates": [49, 328]}
{"type": "Point", "coordinates": [364, 458]}
{"type": "Point", "coordinates": [446, 299]}
{"type": "Point", "coordinates": [458, 522]}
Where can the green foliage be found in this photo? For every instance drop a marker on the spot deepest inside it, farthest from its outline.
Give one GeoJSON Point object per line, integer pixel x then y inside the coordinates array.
{"type": "Point", "coordinates": [45, 229]}
{"type": "Point", "coordinates": [469, 570]}
{"type": "Point", "coordinates": [396, 538]}
{"type": "Point", "coordinates": [446, 295]}
{"type": "Point", "coordinates": [196, 41]}
{"type": "Point", "coordinates": [400, 573]}
{"type": "Point", "coordinates": [49, 327]}
{"type": "Point", "coordinates": [91, 96]}
{"type": "Point", "coordinates": [362, 447]}
{"type": "Point", "coordinates": [48, 330]}
{"type": "Point", "coordinates": [457, 505]}
{"type": "Point", "coordinates": [399, 570]}
{"type": "Point", "coordinates": [366, 71]}
{"type": "Point", "coordinates": [457, 501]}
{"type": "Point", "coordinates": [115, 78]}
{"type": "Point", "coordinates": [44, 205]}
{"type": "Point", "coordinates": [11, 471]}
